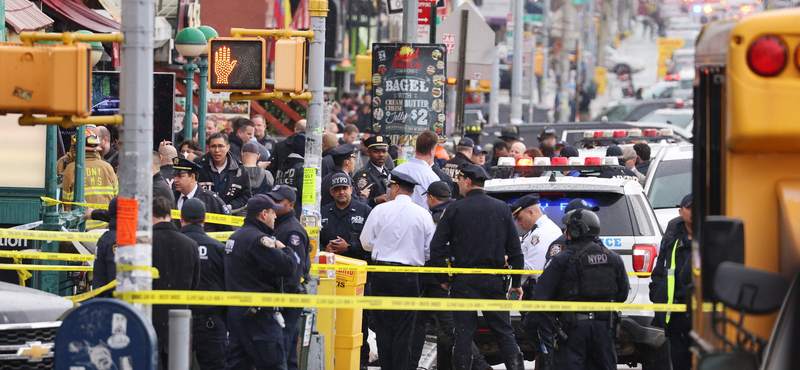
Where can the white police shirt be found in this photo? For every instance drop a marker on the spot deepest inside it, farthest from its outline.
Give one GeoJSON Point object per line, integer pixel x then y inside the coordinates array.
{"type": "Point", "coordinates": [399, 231]}
{"type": "Point", "coordinates": [422, 173]}
{"type": "Point", "coordinates": [535, 244]}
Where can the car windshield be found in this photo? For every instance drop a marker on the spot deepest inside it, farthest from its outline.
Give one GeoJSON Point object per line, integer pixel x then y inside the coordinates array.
{"type": "Point", "coordinates": [671, 182]}
{"type": "Point", "coordinates": [614, 113]}
{"type": "Point", "coordinates": [655, 91]}
{"type": "Point", "coordinates": [681, 120]}
{"type": "Point", "coordinates": [614, 209]}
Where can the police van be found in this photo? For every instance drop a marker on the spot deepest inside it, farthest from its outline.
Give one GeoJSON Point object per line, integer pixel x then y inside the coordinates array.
{"type": "Point", "coordinates": [629, 227]}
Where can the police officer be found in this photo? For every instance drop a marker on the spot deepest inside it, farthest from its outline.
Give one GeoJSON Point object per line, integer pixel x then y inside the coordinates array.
{"type": "Point", "coordinates": [375, 175]}
{"type": "Point", "coordinates": [223, 173]}
{"type": "Point", "coordinates": [291, 233]}
{"type": "Point", "coordinates": [584, 272]}
{"type": "Point", "coordinates": [186, 187]}
{"type": "Point", "coordinates": [467, 243]}
{"type": "Point", "coordinates": [291, 172]}
{"type": "Point", "coordinates": [616, 151]}
{"type": "Point", "coordinates": [673, 256]}
{"type": "Point", "coordinates": [254, 262]}
{"type": "Point", "coordinates": [105, 268]}
{"type": "Point", "coordinates": [210, 335]}
{"type": "Point", "coordinates": [343, 162]}
{"type": "Point", "coordinates": [463, 156]}
{"type": "Point", "coordinates": [558, 244]}
{"type": "Point", "coordinates": [398, 233]}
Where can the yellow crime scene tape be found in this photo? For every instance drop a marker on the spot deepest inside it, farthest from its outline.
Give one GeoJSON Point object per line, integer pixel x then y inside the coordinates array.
{"type": "Point", "coordinates": [212, 218]}
{"type": "Point", "coordinates": [378, 303]}
{"type": "Point", "coordinates": [93, 293]}
{"type": "Point", "coordinates": [49, 235]}
{"type": "Point", "coordinates": [9, 266]}
{"type": "Point", "coordinates": [433, 270]}
{"type": "Point", "coordinates": [47, 256]}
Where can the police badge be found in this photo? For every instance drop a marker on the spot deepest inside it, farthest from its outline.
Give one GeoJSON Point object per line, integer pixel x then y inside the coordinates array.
{"type": "Point", "coordinates": [362, 183]}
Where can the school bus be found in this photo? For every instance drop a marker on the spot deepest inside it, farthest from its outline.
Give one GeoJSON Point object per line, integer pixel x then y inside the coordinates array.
{"type": "Point", "coordinates": [746, 168]}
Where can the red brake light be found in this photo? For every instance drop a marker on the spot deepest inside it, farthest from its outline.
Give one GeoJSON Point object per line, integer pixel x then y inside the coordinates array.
{"type": "Point", "coordinates": [558, 161]}
{"type": "Point", "coordinates": [619, 133]}
{"type": "Point", "coordinates": [668, 78]}
{"type": "Point", "coordinates": [524, 161]}
{"type": "Point", "coordinates": [767, 56]}
{"type": "Point", "coordinates": [651, 132]}
{"type": "Point", "coordinates": [593, 161]}
{"type": "Point", "coordinates": [644, 258]}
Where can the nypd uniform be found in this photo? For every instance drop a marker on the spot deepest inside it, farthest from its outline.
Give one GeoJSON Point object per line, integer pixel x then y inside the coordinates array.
{"type": "Point", "coordinates": [344, 150]}
{"type": "Point", "coordinates": [210, 334]}
{"type": "Point", "coordinates": [370, 176]}
{"type": "Point", "coordinates": [398, 233]}
{"type": "Point", "coordinates": [465, 242]}
{"type": "Point", "coordinates": [253, 263]}
{"type": "Point", "coordinates": [535, 242]}
{"type": "Point", "coordinates": [105, 268]}
{"type": "Point", "coordinates": [292, 234]}
{"type": "Point", "coordinates": [584, 271]}
{"type": "Point", "coordinates": [213, 202]}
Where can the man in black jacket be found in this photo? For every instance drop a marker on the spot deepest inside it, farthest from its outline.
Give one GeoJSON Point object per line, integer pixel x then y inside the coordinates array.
{"type": "Point", "coordinates": [292, 234]}
{"type": "Point", "coordinates": [186, 187]}
{"type": "Point", "coordinates": [161, 188]}
{"type": "Point", "coordinates": [105, 268]}
{"type": "Point", "coordinates": [667, 286]}
{"type": "Point", "coordinates": [243, 130]}
{"type": "Point", "coordinates": [284, 148]}
{"type": "Point", "coordinates": [291, 173]}
{"type": "Point", "coordinates": [453, 166]}
{"type": "Point", "coordinates": [224, 175]}
{"type": "Point", "coordinates": [178, 262]}
{"type": "Point", "coordinates": [210, 335]}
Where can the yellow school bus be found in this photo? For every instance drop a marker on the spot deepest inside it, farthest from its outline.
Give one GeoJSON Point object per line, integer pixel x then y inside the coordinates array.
{"type": "Point", "coordinates": [746, 174]}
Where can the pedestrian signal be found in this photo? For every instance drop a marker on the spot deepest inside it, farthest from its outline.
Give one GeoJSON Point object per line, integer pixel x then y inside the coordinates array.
{"type": "Point", "coordinates": [364, 69]}
{"type": "Point", "coordinates": [53, 79]}
{"type": "Point", "coordinates": [290, 65]}
{"type": "Point", "coordinates": [236, 64]}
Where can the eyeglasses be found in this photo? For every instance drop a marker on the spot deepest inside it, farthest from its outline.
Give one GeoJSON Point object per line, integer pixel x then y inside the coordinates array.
{"type": "Point", "coordinates": [216, 147]}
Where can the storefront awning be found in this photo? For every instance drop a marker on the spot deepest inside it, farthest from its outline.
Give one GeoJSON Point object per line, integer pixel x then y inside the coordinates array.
{"type": "Point", "coordinates": [23, 15]}
{"type": "Point", "coordinates": [79, 13]}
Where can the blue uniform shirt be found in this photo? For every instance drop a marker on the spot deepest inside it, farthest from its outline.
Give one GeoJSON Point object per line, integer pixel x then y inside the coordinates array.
{"type": "Point", "coordinates": [252, 262]}
{"type": "Point", "coordinates": [347, 224]}
{"type": "Point", "coordinates": [292, 234]}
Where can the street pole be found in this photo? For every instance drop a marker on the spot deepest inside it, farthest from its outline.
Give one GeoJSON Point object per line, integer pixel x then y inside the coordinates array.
{"type": "Point", "coordinates": [591, 43]}
{"type": "Point", "coordinates": [48, 280]}
{"type": "Point", "coordinates": [136, 139]}
{"type": "Point", "coordinates": [516, 75]}
{"type": "Point", "coordinates": [315, 113]}
{"type": "Point", "coordinates": [80, 166]}
{"type": "Point", "coordinates": [566, 44]}
{"type": "Point", "coordinates": [410, 21]}
{"type": "Point", "coordinates": [201, 127]}
{"type": "Point", "coordinates": [3, 20]}
{"type": "Point", "coordinates": [461, 89]}
{"type": "Point", "coordinates": [189, 68]}
{"type": "Point", "coordinates": [545, 48]}
{"type": "Point", "coordinates": [494, 105]}
{"type": "Point", "coordinates": [603, 33]}
{"type": "Point", "coordinates": [533, 79]}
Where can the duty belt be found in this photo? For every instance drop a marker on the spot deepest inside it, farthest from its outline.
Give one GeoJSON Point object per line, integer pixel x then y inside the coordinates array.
{"type": "Point", "coordinates": [580, 316]}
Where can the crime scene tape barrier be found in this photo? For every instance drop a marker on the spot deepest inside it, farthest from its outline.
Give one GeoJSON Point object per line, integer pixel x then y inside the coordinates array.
{"type": "Point", "coordinates": [433, 270]}
{"type": "Point", "coordinates": [9, 266]}
{"type": "Point", "coordinates": [47, 256]}
{"type": "Point", "coordinates": [49, 235]}
{"type": "Point", "coordinates": [84, 296]}
{"type": "Point", "coordinates": [378, 303]}
{"type": "Point", "coordinates": [212, 218]}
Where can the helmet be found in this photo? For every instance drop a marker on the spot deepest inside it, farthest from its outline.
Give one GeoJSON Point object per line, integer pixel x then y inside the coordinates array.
{"type": "Point", "coordinates": [474, 128]}
{"type": "Point", "coordinates": [582, 223]}
{"type": "Point", "coordinates": [510, 132]}
{"type": "Point", "coordinates": [92, 141]}
{"type": "Point", "coordinates": [547, 132]}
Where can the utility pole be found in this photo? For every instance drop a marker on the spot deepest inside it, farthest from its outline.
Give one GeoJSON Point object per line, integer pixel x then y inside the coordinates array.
{"type": "Point", "coordinates": [136, 137]}
{"type": "Point", "coordinates": [461, 89]}
{"type": "Point", "coordinates": [566, 45]}
{"type": "Point", "coordinates": [494, 105]}
{"type": "Point", "coordinates": [516, 75]}
{"type": "Point", "coordinates": [410, 21]}
{"type": "Point", "coordinates": [546, 48]}
{"type": "Point", "coordinates": [315, 113]}
{"type": "Point", "coordinates": [603, 32]}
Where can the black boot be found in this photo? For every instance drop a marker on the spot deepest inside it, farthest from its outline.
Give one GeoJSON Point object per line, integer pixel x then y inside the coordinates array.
{"type": "Point", "coordinates": [462, 362]}
{"type": "Point", "coordinates": [516, 362]}
{"type": "Point", "coordinates": [544, 361]}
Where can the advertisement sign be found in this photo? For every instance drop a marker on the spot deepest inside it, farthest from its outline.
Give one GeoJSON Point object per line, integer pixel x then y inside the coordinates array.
{"type": "Point", "coordinates": [665, 48]}
{"type": "Point", "coordinates": [409, 86]}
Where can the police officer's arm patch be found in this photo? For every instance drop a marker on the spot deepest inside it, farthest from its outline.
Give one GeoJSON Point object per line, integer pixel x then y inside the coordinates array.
{"type": "Point", "coordinates": [268, 241]}
{"type": "Point", "coordinates": [362, 183]}
{"type": "Point", "coordinates": [535, 240]}
{"type": "Point", "coordinates": [295, 240]}
{"type": "Point", "coordinates": [554, 249]}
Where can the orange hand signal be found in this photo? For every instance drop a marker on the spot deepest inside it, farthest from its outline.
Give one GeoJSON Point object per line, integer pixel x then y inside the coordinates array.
{"type": "Point", "coordinates": [223, 65]}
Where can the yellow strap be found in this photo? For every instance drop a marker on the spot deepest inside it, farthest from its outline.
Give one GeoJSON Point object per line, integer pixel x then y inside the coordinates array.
{"type": "Point", "coordinates": [51, 202]}
{"type": "Point", "coordinates": [212, 218]}
{"type": "Point", "coordinates": [49, 235]}
{"type": "Point", "coordinates": [23, 274]}
{"type": "Point", "coordinates": [671, 279]}
{"type": "Point", "coordinates": [8, 266]}
{"type": "Point", "coordinates": [142, 268]}
{"type": "Point", "coordinates": [433, 270]}
{"type": "Point", "coordinates": [47, 256]}
{"type": "Point", "coordinates": [93, 293]}
{"type": "Point", "coordinates": [377, 303]}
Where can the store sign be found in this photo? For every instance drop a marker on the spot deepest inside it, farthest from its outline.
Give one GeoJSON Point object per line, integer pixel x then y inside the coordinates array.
{"type": "Point", "coordinates": [408, 85]}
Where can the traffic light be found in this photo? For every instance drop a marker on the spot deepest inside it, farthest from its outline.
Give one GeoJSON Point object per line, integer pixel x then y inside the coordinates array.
{"type": "Point", "coordinates": [236, 64]}
{"type": "Point", "coordinates": [290, 65]}
{"type": "Point", "coordinates": [52, 79]}
{"type": "Point", "coordinates": [364, 69]}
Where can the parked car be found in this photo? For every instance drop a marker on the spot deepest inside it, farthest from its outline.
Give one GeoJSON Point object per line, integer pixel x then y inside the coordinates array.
{"type": "Point", "coordinates": [633, 110]}
{"type": "Point", "coordinates": [669, 179]}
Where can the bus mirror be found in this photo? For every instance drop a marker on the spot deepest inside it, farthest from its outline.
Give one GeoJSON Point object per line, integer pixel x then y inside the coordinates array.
{"type": "Point", "coordinates": [750, 290]}
{"type": "Point", "coordinates": [722, 241]}
{"type": "Point", "coordinates": [728, 360]}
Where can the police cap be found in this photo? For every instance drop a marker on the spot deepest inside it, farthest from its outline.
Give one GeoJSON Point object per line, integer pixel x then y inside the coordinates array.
{"type": "Point", "coordinates": [474, 172]}
{"type": "Point", "coordinates": [250, 147]}
{"type": "Point", "coordinates": [686, 202]}
{"type": "Point", "coordinates": [569, 151]}
{"type": "Point", "coordinates": [193, 209]}
{"type": "Point", "coordinates": [281, 192]}
{"type": "Point", "coordinates": [260, 202]}
{"type": "Point", "coordinates": [343, 151]}
{"type": "Point", "coordinates": [466, 142]}
{"type": "Point", "coordinates": [524, 202]}
{"type": "Point", "coordinates": [183, 165]}
{"type": "Point", "coordinates": [579, 203]}
{"type": "Point", "coordinates": [376, 142]}
{"type": "Point", "coordinates": [341, 179]}
{"type": "Point", "coordinates": [614, 151]}
{"type": "Point", "coordinates": [439, 189]}
{"type": "Point", "coordinates": [547, 132]}
{"type": "Point", "coordinates": [402, 179]}
{"type": "Point", "coordinates": [478, 149]}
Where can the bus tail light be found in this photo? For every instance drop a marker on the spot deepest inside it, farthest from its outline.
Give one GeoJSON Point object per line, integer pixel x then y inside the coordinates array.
{"type": "Point", "coordinates": [644, 258]}
{"type": "Point", "coordinates": [767, 56]}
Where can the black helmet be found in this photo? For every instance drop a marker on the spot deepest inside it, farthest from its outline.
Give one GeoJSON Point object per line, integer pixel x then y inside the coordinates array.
{"type": "Point", "coordinates": [547, 132]}
{"type": "Point", "coordinates": [509, 132]}
{"type": "Point", "coordinates": [582, 223]}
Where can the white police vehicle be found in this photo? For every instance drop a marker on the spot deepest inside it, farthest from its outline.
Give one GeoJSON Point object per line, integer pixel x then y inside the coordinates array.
{"type": "Point", "coordinates": [629, 227]}
{"type": "Point", "coordinates": [669, 179]}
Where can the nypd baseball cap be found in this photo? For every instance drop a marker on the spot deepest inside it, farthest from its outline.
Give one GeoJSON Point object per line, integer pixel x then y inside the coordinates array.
{"type": "Point", "coordinates": [341, 179]}
{"type": "Point", "coordinates": [260, 202]}
{"type": "Point", "coordinates": [524, 202]}
{"type": "Point", "coordinates": [439, 189]}
{"type": "Point", "coordinates": [281, 192]}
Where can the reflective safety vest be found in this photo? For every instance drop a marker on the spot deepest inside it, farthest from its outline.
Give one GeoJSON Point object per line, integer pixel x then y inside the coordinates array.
{"type": "Point", "coordinates": [671, 279]}
{"type": "Point", "coordinates": [100, 185]}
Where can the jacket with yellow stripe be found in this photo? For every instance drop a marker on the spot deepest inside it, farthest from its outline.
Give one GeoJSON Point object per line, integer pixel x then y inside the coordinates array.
{"type": "Point", "coordinates": [100, 184]}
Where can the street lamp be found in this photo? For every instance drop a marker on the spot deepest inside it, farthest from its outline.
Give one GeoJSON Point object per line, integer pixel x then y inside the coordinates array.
{"type": "Point", "coordinates": [190, 43]}
{"type": "Point", "coordinates": [97, 47]}
{"type": "Point", "coordinates": [201, 129]}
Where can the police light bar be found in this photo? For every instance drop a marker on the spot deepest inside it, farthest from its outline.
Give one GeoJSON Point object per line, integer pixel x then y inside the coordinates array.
{"type": "Point", "coordinates": [635, 132]}
{"type": "Point", "coordinates": [575, 161]}
{"type": "Point", "coordinates": [666, 132]}
{"type": "Point", "coordinates": [559, 161]}
{"type": "Point", "coordinates": [541, 161]}
{"type": "Point", "coordinates": [506, 162]}
{"type": "Point", "coordinates": [610, 161]}
{"type": "Point", "coordinates": [527, 161]}
{"type": "Point", "coordinates": [650, 132]}
{"type": "Point", "coordinates": [592, 161]}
